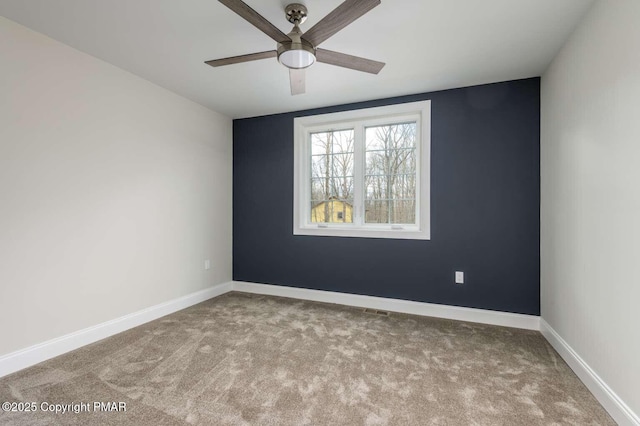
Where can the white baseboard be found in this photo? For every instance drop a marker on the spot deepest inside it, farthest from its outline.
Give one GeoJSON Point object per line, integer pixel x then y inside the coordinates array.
{"type": "Point", "coordinates": [621, 413]}
{"type": "Point", "coordinates": [32, 355]}
{"type": "Point", "coordinates": [529, 322]}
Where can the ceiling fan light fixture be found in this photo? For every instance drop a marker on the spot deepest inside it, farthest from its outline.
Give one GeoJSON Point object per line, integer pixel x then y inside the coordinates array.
{"type": "Point", "coordinates": [296, 58]}
{"type": "Point", "coordinates": [298, 53]}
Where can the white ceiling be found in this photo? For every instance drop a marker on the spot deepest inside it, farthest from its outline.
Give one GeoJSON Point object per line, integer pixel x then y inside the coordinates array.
{"type": "Point", "coordinates": [427, 45]}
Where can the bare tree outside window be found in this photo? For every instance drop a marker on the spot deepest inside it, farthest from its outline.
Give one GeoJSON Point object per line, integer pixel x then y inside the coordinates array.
{"type": "Point", "coordinates": [390, 176]}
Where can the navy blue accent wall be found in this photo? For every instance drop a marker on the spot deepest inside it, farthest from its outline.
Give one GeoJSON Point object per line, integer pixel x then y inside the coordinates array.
{"type": "Point", "coordinates": [485, 202]}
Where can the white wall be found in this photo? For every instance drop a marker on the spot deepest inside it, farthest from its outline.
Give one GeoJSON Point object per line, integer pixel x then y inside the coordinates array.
{"type": "Point", "coordinates": [113, 191]}
{"type": "Point", "coordinates": [590, 211]}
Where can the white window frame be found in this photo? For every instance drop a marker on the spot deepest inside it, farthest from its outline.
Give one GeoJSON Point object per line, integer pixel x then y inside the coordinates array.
{"type": "Point", "coordinates": [359, 120]}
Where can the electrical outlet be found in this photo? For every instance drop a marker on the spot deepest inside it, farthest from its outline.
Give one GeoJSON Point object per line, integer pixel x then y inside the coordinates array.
{"type": "Point", "coordinates": [459, 277]}
{"type": "Point", "coordinates": [207, 264]}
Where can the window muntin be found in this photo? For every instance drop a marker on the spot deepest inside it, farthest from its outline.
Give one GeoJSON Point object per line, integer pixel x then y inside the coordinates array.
{"type": "Point", "coordinates": [363, 173]}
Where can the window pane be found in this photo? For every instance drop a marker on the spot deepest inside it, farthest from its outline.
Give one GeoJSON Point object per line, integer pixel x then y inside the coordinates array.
{"type": "Point", "coordinates": [377, 211]}
{"type": "Point", "coordinates": [332, 211]}
{"type": "Point", "coordinates": [402, 186]}
{"type": "Point", "coordinates": [392, 136]}
{"type": "Point", "coordinates": [342, 211]}
{"type": "Point", "coordinates": [320, 165]}
{"type": "Point", "coordinates": [375, 163]}
{"type": "Point", "coordinates": [390, 167]}
{"type": "Point", "coordinates": [342, 164]}
{"type": "Point", "coordinates": [320, 144]}
{"type": "Point", "coordinates": [343, 141]}
{"type": "Point", "coordinates": [318, 211]}
{"type": "Point", "coordinates": [332, 142]}
{"type": "Point", "coordinates": [342, 187]}
{"type": "Point", "coordinates": [407, 163]}
{"type": "Point", "coordinates": [319, 189]}
{"type": "Point", "coordinates": [376, 187]}
{"type": "Point", "coordinates": [402, 211]}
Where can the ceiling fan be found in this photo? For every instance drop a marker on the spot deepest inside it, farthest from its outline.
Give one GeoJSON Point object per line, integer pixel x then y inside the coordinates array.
{"type": "Point", "coordinates": [298, 50]}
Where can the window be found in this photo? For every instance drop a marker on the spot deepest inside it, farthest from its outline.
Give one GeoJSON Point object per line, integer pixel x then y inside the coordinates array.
{"type": "Point", "coordinates": [363, 173]}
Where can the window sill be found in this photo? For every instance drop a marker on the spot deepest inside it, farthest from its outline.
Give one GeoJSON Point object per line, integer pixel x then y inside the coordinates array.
{"type": "Point", "coordinates": [363, 232]}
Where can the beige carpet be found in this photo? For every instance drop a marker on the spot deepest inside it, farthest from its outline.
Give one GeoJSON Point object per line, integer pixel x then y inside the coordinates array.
{"type": "Point", "coordinates": [254, 360]}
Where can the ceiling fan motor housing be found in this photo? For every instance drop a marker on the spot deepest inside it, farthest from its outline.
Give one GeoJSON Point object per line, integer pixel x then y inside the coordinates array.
{"type": "Point", "coordinates": [298, 53]}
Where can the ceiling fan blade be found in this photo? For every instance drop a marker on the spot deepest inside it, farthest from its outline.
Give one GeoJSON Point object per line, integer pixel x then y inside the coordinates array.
{"type": "Point", "coordinates": [297, 78]}
{"type": "Point", "coordinates": [242, 58]}
{"type": "Point", "coordinates": [339, 18]}
{"type": "Point", "coordinates": [348, 61]}
{"type": "Point", "coordinates": [257, 20]}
